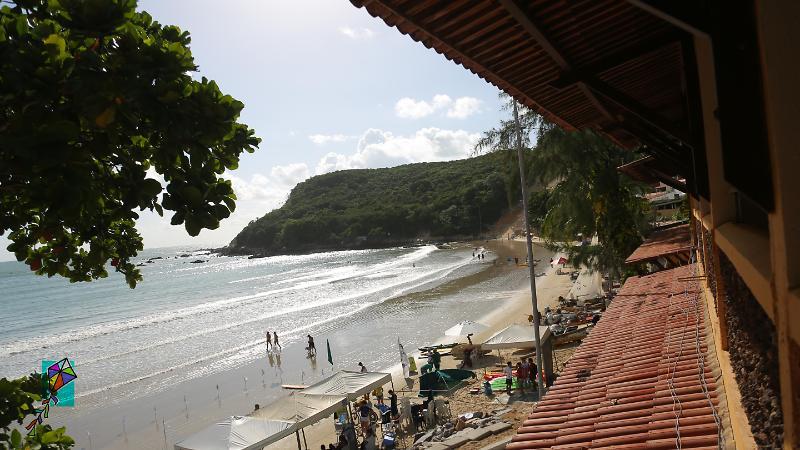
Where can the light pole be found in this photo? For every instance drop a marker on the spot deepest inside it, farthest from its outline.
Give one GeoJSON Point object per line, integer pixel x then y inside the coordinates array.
{"type": "Point", "coordinates": [534, 301]}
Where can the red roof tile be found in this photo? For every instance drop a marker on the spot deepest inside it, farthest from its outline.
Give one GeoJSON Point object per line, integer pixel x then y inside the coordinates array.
{"type": "Point", "coordinates": [639, 380]}
{"type": "Point", "coordinates": [661, 243]}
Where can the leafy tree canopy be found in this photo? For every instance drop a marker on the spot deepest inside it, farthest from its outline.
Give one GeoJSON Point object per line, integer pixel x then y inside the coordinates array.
{"type": "Point", "coordinates": [372, 207]}
{"type": "Point", "coordinates": [19, 400]}
{"type": "Point", "coordinates": [581, 190]}
{"type": "Point", "coordinates": [94, 99]}
{"type": "Point", "coordinates": [589, 196]}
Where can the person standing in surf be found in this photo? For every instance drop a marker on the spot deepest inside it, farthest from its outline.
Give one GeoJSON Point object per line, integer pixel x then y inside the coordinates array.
{"type": "Point", "coordinates": [312, 350]}
{"type": "Point", "coordinates": [269, 341]}
{"type": "Point", "coordinates": [275, 339]}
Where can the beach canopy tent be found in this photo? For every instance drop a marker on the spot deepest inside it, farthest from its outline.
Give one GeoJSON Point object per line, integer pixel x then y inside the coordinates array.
{"type": "Point", "coordinates": [301, 409]}
{"type": "Point", "coordinates": [588, 286]}
{"type": "Point", "coordinates": [516, 336]}
{"type": "Point", "coordinates": [443, 380]}
{"type": "Point", "coordinates": [349, 384]}
{"type": "Point", "coordinates": [238, 433]}
{"type": "Point", "coordinates": [464, 328]}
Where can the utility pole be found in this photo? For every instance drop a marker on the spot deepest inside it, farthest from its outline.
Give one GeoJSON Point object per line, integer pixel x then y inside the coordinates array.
{"type": "Point", "coordinates": [534, 300]}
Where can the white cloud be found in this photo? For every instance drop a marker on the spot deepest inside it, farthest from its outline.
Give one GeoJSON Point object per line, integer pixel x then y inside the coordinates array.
{"type": "Point", "coordinates": [290, 174]}
{"type": "Point", "coordinates": [464, 107]}
{"type": "Point", "coordinates": [322, 139]}
{"type": "Point", "coordinates": [357, 33]}
{"type": "Point", "coordinates": [461, 108]}
{"type": "Point", "coordinates": [378, 148]}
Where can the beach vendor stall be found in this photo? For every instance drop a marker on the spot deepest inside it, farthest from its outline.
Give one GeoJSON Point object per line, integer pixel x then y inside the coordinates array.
{"type": "Point", "coordinates": [301, 409]}
{"type": "Point", "coordinates": [521, 336]}
{"type": "Point", "coordinates": [238, 433]}
{"type": "Point", "coordinates": [349, 384]}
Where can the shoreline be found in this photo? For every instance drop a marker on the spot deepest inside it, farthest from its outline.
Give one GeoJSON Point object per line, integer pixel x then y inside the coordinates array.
{"type": "Point", "coordinates": [509, 303]}
{"type": "Point", "coordinates": [515, 309]}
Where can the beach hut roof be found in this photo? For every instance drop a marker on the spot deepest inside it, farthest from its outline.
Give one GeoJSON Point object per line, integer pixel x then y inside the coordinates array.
{"type": "Point", "coordinates": [301, 409]}
{"type": "Point", "coordinates": [516, 336]}
{"type": "Point", "coordinates": [237, 433]}
{"type": "Point", "coordinates": [464, 328]}
{"type": "Point", "coordinates": [349, 384]}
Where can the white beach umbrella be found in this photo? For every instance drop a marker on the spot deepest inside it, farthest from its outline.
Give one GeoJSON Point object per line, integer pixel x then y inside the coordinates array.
{"type": "Point", "coordinates": [464, 328]}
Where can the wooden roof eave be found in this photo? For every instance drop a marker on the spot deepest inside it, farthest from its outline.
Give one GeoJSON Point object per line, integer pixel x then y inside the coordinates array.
{"type": "Point", "coordinates": [454, 54]}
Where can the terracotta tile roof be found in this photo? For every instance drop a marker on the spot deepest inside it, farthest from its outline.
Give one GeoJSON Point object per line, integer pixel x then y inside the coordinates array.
{"type": "Point", "coordinates": [662, 243]}
{"type": "Point", "coordinates": [639, 381]}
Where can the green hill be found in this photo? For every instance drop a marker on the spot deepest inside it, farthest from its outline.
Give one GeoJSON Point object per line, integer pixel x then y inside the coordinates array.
{"type": "Point", "coordinates": [377, 207]}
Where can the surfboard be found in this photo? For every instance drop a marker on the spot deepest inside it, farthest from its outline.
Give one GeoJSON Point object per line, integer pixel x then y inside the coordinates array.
{"type": "Point", "coordinates": [293, 386]}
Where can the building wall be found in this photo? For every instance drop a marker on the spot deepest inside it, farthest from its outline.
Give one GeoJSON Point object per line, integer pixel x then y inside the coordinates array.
{"type": "Point", "coordinates": [752, 344]}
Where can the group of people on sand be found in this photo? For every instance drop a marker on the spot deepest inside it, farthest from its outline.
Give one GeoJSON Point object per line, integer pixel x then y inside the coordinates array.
{"type": "Point", "coordinates": [272, 341]}
{"type": "Point", "coordinates": [526, 371]}
{"type": "Point", "coordinates": [479, 253]}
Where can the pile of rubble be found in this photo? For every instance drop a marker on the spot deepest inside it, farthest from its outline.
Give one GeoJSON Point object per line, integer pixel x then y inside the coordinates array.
{"type": "Point", "coordinates": [462, 429]}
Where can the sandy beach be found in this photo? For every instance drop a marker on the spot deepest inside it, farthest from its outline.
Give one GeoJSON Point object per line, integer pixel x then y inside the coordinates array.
{"type": "Point", "coordinates": [515, 309]}
{"type": "Point", "coordinates": [494, 291]}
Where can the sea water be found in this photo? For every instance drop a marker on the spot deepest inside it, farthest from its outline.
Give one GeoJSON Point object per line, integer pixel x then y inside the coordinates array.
{"type": "Point", "coordinates": [196, 325]}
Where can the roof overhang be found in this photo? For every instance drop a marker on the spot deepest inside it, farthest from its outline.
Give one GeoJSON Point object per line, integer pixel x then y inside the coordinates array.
{"type": "Point", "coordinates": [607, 65]}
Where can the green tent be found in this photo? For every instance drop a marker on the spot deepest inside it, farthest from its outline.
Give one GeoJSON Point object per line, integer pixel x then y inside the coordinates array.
{"type": "Point", "coordinates": [442, 380]}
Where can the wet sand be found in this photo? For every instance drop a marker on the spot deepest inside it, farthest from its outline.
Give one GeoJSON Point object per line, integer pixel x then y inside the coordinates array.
{"type": "Point", "coordinates": [497, 296]}
{"type": "Point", "coordinates": [515, 307]}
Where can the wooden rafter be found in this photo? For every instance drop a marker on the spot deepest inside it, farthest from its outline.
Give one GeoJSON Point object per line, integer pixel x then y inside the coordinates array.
{"type": "Point", "coordinates": [632, 106]}
{"type": "Point", "coordinates": [467, 61]}
{"type": "Point", "coordinates": [690, 16]}
{"type": "Point", "coordinates": [535, 31]}
{"type": "Point", "coordinates": [638, 49]}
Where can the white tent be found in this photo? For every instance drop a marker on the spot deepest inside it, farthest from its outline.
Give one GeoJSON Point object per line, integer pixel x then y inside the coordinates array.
{"type": "Point", "coordinates": [588, 286]}
{"type": "Point", "coordinates": [238, 433]}
{"type": "Point", "coordinates": [516, 336]}
{"type": "Point", "coordinates": [464, 328]}
{"type": "Point", "coordinates": [349, 384]}
{"type": "Point", "coordinates": [301, 409]}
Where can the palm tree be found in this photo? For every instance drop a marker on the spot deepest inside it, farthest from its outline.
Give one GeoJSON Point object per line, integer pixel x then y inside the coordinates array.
{"type": "Point", "coordinates": [587, 195]}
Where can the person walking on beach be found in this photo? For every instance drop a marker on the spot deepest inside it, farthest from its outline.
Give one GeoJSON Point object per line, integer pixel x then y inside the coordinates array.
{"type": "Point", "coordinates": [363, 367]}
{"type": "Point", "coordinates": [509, 373]}
{"type": "Point", "coordinates": [275, 339]}
{"type": "Point", "coordinates": [312, 350]}
{"type": "Point", "coordinates": [269, 341]}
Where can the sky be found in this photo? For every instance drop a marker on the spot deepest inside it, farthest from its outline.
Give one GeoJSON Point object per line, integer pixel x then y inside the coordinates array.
{"type": "Point", "coordinates": [326, 87]}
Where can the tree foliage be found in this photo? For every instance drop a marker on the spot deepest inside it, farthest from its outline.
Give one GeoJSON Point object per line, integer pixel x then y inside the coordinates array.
{"type": "Point", "coordinates": [18, 400]}
{"type": "Point", "coordinates": [585, 193]}
{"type": "Point", "coordinates": [590, 197]}
{"type": "Point", "coordinates": [351, 208]}
{"type": "Point", "coordinates": [95, 98]}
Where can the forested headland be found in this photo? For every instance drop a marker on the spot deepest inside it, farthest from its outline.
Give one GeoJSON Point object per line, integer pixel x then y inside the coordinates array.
{"type": "Point", "coordinates": [363, 208]}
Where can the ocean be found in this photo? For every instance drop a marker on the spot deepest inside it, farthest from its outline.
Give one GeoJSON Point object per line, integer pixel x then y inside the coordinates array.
{"type": "Point", "coordinates": [187, 345]}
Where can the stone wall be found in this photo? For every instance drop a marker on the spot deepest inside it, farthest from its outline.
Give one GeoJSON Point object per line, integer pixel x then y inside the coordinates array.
{"type": "Point", "coordinates": [754, 356]}
{"type": "Point", "coordinates": [708, 262]}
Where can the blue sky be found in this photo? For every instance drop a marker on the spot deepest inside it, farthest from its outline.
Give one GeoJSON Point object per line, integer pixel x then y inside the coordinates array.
{"type": "Point", "coordinates": [327, 87]}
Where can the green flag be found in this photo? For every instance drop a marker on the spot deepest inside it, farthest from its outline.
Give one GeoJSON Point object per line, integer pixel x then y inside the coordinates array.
{"type": "Point", "coordinates": [330, 356]}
